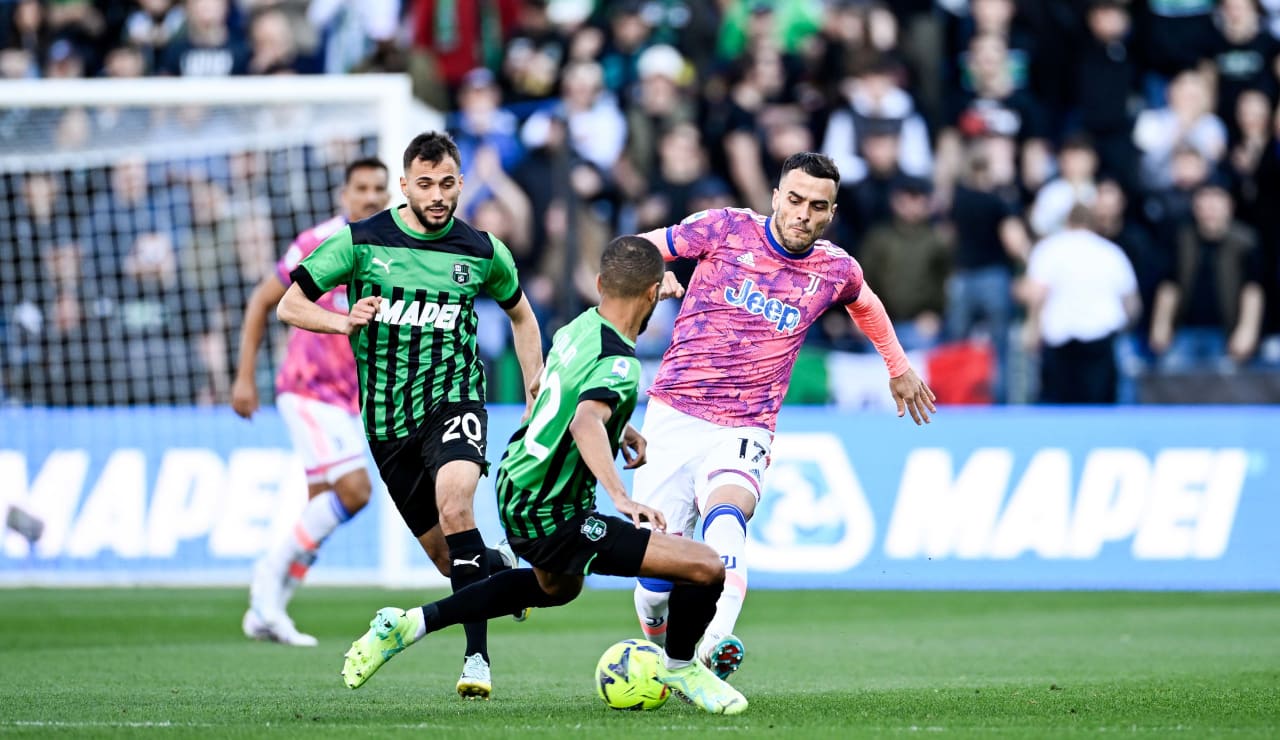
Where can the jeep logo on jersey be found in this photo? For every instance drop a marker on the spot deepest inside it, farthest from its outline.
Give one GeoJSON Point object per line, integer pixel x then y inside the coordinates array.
{"type": "Point", "coordinates": [594, 529]}
{"type": "Point", "coordinates": [784, 317]}
{"type": "Point", "coordinates": [461, 273]}
{"type": "Point", "coordinates": [418, 313]}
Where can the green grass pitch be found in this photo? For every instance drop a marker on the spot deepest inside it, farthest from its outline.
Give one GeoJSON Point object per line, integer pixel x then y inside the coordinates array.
{"type": "Point", "coordinates": [172, 663]}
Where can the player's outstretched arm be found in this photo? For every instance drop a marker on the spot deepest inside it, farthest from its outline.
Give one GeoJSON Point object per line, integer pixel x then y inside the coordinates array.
{"type": "Point", "coordinates": [909, 391]}
{"type": "Point", "coordinates": [296, 309]}
{"type": "Point", "coordinates": [527, 338]}
{"type": "Point", "coordinates": [592, 437]}
{"type": "Point", "coordinates": [244, 391]}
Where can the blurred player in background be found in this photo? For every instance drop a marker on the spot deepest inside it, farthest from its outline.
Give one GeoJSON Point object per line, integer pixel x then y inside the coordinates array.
{"type": "Point", "coordinates": [416, 272]}
{"type": "Point", "coordinates": [547, 495]}
{"type": "Point", "coordinates": [760, 282]}
{"type": "Point", "coordinates": [318, 399]}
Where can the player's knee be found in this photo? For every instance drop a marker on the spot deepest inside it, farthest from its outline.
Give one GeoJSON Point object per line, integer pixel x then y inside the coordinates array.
{"type": "Point", "coordinates": [456, 516]}
{"type": "Point", "coordinates": [559, 593]}
{"type": "Point", "coordinates": [707, 570]}
{"type": "Point", "coordinates": [353, 494]}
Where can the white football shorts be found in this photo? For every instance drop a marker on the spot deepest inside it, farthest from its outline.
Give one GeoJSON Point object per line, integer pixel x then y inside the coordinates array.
{"type": "Point", "coordinates": [329, 440]}
{"type": "Point", "coordinates": [688, 458]}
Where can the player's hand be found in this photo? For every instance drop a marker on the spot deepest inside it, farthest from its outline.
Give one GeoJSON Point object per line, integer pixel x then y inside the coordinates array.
{"type": "Point", "coordinates": [633, 448]}
{"type": "Point", "coordinates": [244, 397]}
{"type": "Point", "coordinates": [671, 287]}
{"type": "Point", "coordinates": [362, 313]}
{"type": "Point", "coordinates": [911, 394]}
{"type": "Point", "coordinates": [640, 514]}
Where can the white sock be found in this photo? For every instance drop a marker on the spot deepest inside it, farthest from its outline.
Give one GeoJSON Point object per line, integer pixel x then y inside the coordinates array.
{"type": "Point", "coordinates": [673, 664]}
{"type": "Point", "coordinates": [725, 530]}
{"type": "Point", "coordinates": [295, 553]}
{"type": "Point", "coordinates": [651, 608]}
{"type": "Point", "coordinates": [419, 621]}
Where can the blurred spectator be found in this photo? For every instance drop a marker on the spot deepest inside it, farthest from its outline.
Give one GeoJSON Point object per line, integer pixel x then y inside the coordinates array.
{"type": "Point", "coordinates": [1168, 208]}
{"type": "Point", "coordinates": [1075, 184]}
{"type": "Point", "coordinates": [1111, 221]}
{"type": "Point", "coordinates": [864, 203]}
{"type": "Point", "coordinates": [1188, 120]}
{"type": "Point", "coordinates": [995, 18]}
{"type": "Point", "coordinates": [681, 175]}
{"type": "Point", "coordinates": [17, 64]}
{"type": "Point", "coordinates": [738, 123]}
{"type": "Point", "coordinates": [481, 121]}
{"type": "Point", "coordinates": [451, 38]}
{"type": "Point", "coordinates": [65, 61]}
{"type": "Point", "coordinates": [532, 57]}
{"type": "Point", "coordinates": [1244, 57]}
{"type": "Point", "coordinates": [990, 240]}
{"type": "Point", "coordinates": [659, 105]}
{"type": "Point", "coordinates": [272, 48]}
{"type": "Point", "coordinates": [597, 130]}
{"type": "Point", "coordinates": [1209, 308]}
{"type": "Point", "coordinates": [1253, 127]}
{"type": "Point", "coordinates": [628, 37]}
{"type": "Point", "coordinates": [1177, 34]}
{"type": "Point", "coordinates": [994, 107]}
{"type": "Point", "coordinates": [1080, 292]}
{"type": "Point", "coordinates": [26, 28]}
{"type": "Point", "coordinates": [493, 199]}
{"type": "Point", "coordinates": [206, 45]}
{"type": "Point", "coordinates": [1267, 220]}
{"type": "Point", "coordinates": [908, 261]}
{"type": "Point", "coordinates": [40, 301]}
{"type": "Point", "coordinates": [873, 99]}
{"type": "Point", "coordinates": [1106, 88]}
{"type": "Point", "coordinates": [786, 23]}
{"type": "Point", "coordinates": [151, 27]}
{"type": "Point", "coordinates": [352, 32]}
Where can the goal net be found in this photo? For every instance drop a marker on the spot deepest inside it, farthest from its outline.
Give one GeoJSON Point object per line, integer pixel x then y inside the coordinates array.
{"type": "Point", "coordinates": [136, 216]}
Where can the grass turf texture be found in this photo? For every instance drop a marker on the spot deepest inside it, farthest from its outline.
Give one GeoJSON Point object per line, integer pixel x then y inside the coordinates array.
{"type": "Point", "coordinates": [172, 663]}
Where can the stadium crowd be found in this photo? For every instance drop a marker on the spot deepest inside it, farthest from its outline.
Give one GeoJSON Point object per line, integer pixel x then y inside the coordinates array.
{"type": "Point", "coordinates": [966, 133]}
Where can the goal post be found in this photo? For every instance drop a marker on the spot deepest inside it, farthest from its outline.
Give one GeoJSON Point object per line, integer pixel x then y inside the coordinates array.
{"type": "Point", "coordinates": [386, 100]}
{"type": "Point", "coordinates": [136, 216]}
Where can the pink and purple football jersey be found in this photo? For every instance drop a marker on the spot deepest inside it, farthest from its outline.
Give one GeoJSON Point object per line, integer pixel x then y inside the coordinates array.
{"type": "Point", "coordinates": [318, 366]}
{"type": "Point", "coordinates": [745, 314]}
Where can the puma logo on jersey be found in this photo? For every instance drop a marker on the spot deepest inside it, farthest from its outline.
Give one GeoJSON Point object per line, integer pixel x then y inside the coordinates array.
{"type": "Point", "coordinates": [418, 313]}
{"type": "Point", "coordinates": [783, 316]}
{"type": "Point", "coordinates": [386, 266]}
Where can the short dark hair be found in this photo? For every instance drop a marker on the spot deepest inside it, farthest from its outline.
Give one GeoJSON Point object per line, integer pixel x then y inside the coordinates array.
{"type": "Point", "coordinates": [433, 147]}
{"type": "Point", "coordinates": [813, 164]}
{"type": "Point", "coordinates": [364, 163]}
{"type": "Point", "coordinates": [629, 266]}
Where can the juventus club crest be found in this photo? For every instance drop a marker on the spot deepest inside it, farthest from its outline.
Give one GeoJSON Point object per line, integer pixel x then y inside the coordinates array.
{"type": "Point", "coordinates": [461, 273]}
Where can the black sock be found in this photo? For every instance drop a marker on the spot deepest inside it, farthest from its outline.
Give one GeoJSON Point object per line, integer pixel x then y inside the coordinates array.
{"type": "Point", "coordinates": [469, 563]}
{"type": "Point", "coordinates": [496, 596]}
{"type": "Point", "coordinates": [689, 612]}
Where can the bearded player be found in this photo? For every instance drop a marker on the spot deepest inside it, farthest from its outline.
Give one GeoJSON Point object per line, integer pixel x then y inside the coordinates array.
{"type": "Point", "coordinates": [760, 283]}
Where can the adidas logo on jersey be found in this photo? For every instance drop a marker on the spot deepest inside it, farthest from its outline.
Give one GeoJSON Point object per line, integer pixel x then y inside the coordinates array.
{"type": "Point", "coordinates": [783, 316]}
{"type": "Point", "coordinates": [746, 259]}
{"type": "Point", "coordinates": [418, 313]}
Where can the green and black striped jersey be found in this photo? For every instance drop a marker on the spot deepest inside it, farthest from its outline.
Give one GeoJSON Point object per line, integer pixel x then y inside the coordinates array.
{"type": "Point", "coordinates": [420, 349]}
{"type": "Point", "coordinates": [542, 480]}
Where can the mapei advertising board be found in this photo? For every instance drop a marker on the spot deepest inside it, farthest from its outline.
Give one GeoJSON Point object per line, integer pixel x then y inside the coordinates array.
{"type": "Point", "coordinates": [1025, 498]}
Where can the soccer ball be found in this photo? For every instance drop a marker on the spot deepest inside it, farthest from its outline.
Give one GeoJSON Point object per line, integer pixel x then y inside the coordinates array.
{"type": "Point", "coordinates": [627, 676]}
